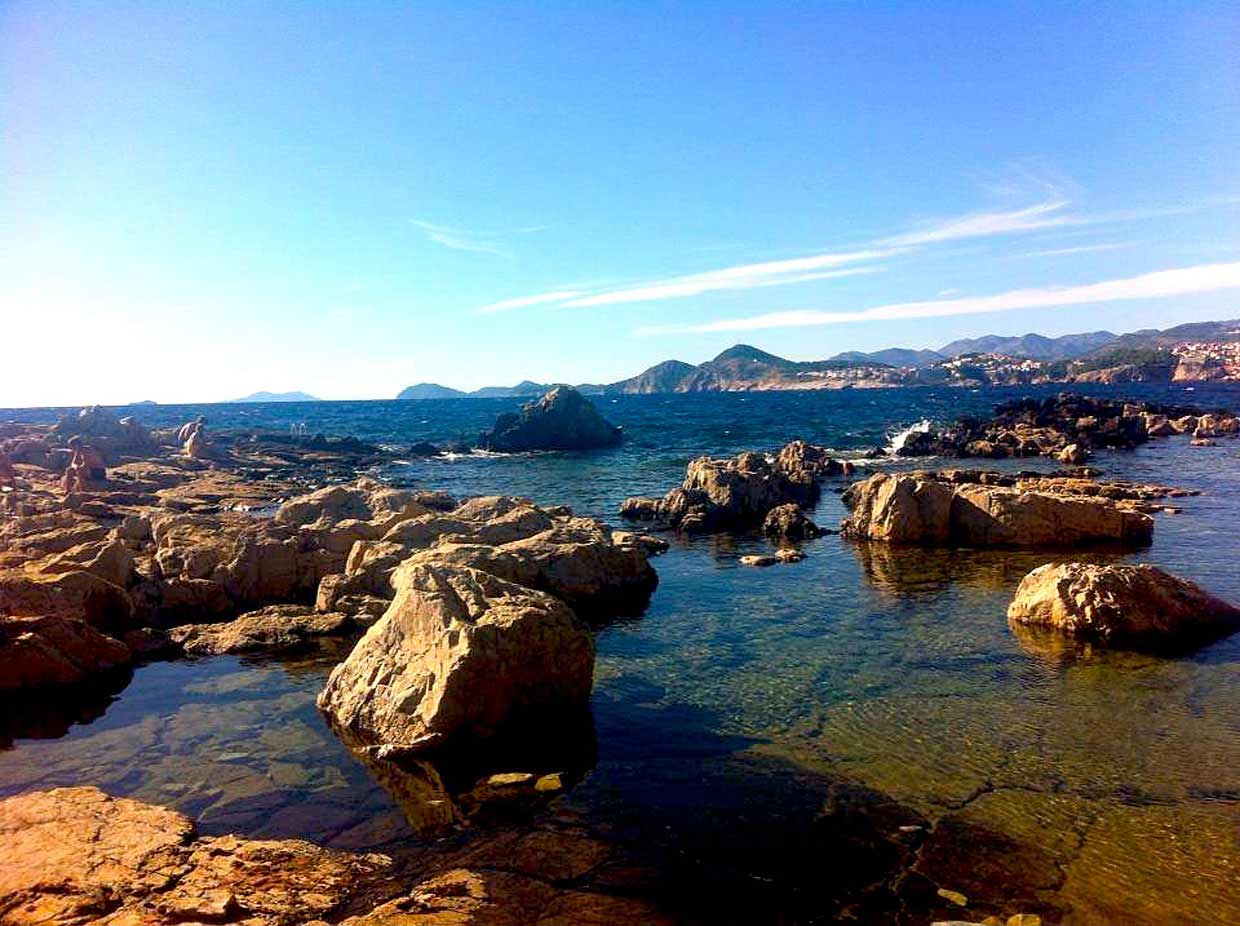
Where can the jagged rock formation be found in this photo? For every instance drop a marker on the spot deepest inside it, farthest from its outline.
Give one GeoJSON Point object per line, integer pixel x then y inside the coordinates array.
{"type": "Point", "coordinates": [738, 493]}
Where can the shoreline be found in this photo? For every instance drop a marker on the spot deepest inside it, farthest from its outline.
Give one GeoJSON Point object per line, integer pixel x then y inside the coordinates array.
{"type": "Point", "coordinates": [239, 493]}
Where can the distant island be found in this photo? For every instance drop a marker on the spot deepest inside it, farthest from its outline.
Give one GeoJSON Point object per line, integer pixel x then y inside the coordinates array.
{"type": "Point", "coordinates": [278, 397]}
{"type": "Point", "coordinates": [1194, 352]}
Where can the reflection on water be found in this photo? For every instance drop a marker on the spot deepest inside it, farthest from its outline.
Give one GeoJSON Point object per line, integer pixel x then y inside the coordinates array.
{"type": "Point", "coordinates": [840, 737]}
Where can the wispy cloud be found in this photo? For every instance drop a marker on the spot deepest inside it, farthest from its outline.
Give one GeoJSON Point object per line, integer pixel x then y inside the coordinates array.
{"type": "Point", "coordinates": [1079, 249]}
{"type": "Point", "coordinates": [746, 276]}
{"type": "Point", "coordinates": [459, 239]}
{"type": "Point", "coordinates": [1048, 214]}
{"type": "Point", "coordinates": [1183, 281]}
{"type": "Point", "coordinates": [505, 305]}
{"type": "Point", "coordinates": [1053, 210]}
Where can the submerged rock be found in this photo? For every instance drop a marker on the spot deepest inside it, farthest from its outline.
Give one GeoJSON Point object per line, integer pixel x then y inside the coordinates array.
{"type": "Point", "coordinates": [563, 419]}
{"type": "Point", "coordinates": [276, 627]}
{"type": "Point", "coordinates": [1119, 605]}
{"type": "Point", "coordinates": [971, 509]}
{"type": "Point", "coordinates": [459, 655]}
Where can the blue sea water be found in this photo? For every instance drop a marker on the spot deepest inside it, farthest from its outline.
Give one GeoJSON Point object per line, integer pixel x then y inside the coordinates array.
{"type": "Point", "coordinates": [848, 733]}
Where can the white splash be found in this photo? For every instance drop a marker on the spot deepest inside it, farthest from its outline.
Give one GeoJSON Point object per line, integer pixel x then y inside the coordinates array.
{"type": "Point", "coordinates": [900, 438]}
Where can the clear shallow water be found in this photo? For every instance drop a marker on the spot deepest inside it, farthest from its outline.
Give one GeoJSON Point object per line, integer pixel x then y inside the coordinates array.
{"type": "Point", "coordinates": [771, 731]}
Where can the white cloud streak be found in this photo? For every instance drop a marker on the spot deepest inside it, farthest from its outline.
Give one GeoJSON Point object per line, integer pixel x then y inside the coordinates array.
{"type": "Point", "coordinates": [460, 240]}
{"type": "Point", "coordinates": [1047, 214]}
{"type": "Point", "coordinates": [1079, 249]}
{"type": "Point", "coordinates": [748, 276]}
{"type": "Point", "coordinates": [1183, 281]}
{"type": "Point", "coordinates": [505, 305]}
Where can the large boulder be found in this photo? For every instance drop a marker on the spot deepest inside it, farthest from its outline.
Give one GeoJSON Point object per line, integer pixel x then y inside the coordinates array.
{"type": "Point", "coordinates": [1120, 605]}
{"type": "Point", "coordinates": [969, 509]}
{"type": "Point", "coordinates": [563, 419]}
{"type": "Point", "coordinates": [460, 655]}
{"type": "Point", "coordinates": [44, 652]}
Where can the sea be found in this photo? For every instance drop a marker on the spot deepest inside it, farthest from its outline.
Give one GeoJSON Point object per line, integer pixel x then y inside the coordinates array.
{"type": "Point", "coordinates": [854, 738]}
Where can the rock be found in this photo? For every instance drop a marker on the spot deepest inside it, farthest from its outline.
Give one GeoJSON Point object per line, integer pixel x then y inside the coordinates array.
{"type": "Point", "coordinates": [788, 555]}
{"type": "Point", "coordinates": [1074, 455]}
{"type": "Point", "coordinates": [1119, 605]}
{"type": "Point", "coordinates": [75, 855]}
{"type": "Point", "coordinates": [807, 462]}
{"type": "Point", "coordinates": [459, 655]}
{"type": "Point", "coordinates": [639, 508]}
{"type": "Point", "coordinates": [789, 521]}
{"type": "Point", "coordinates": [366, 500]}
{"type": "Point", "coordinates": [563, 419]}
{"type": "Point", "coordinates": [652, 546]}
{"type": "Point", "coordinates": [78, 595]}
{"type": "Point", "coordinates": [955, 897]}
{"type": "Point", "coordinates": [134, 527]}
{"type": "Point", "coordinates": [112, 437]}
{"type": "Point", "coordinates": [962, 509]}
{"type": "Point", "coordinates": [276, 627]}
{"type": "Point", "coordinates": [39, 652]}
{"type": "Point", "coordinates": [513, 539]}
{"type": "Point", "coordinates": [737, 493]}
{"type": "Point", "coordinates": [110, 560]}
{"type": "Point", "coordinates": [758, 559]}
{"type": "Point", "coordinates": [549, 783]}
{"type": "Point", "coordinates": [1203, 442]}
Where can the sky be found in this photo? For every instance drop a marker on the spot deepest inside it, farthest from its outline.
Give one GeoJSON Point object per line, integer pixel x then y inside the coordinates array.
{"type": "Point", "coordinates": [199, 201]}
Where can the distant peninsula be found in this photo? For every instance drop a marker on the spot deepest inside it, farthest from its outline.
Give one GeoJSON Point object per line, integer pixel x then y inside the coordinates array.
{"type": "Point", "coordinates": [278, 397]}
{"type": "Point", "coordinates": [1194, 352]}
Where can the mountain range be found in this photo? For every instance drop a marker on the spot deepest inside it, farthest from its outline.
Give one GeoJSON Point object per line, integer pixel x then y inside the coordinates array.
{"type": "Point", "coordinates": [991, 358]}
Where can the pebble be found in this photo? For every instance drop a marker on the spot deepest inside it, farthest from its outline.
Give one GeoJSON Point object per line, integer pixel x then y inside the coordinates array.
{"type": "Point", "coordinates": [959, 899]}
{"type": "Point", "coordinates": [509, 779]}
{"type": "Point", "coordinates": [550, 782]}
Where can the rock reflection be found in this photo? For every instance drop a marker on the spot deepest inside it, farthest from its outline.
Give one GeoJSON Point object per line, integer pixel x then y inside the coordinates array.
{"type": "Point", "coordinates": [46, 715]}
{"type": "Point", "coordinates": [908, 572]}
{"type": "Point", "coordinates": [506, 780]}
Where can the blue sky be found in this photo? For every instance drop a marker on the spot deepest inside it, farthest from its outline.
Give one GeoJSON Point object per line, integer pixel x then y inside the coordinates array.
{"type": "Point", "coordinates": [202, 200]}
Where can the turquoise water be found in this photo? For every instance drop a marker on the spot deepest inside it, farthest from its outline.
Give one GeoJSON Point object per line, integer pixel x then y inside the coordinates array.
{"type": "Point", "coordinates": [830, 739]}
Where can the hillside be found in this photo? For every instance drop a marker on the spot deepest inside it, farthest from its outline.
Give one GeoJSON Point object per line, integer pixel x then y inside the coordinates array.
{"type": "Point", "coordinates": [1190, 352]}
{"type": "Point", "coordinates": [1032, 346]}
{"type": "Point", "coordinates": [431, 391]}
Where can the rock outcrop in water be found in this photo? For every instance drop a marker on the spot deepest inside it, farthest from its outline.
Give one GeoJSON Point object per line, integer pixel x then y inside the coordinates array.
{"type": "Point", "coordinates": [738, 493]}
{"type": "Point", "coordinates": [1138, 606]}
{"type": "Point", "coordinates": [563, 419]}
{"type": "Point", "coordinates": [1048, 427]}
{"type": "Point", "coordinates": [458, 656]}
{"type": "Point", "coordinates": [969, 508]}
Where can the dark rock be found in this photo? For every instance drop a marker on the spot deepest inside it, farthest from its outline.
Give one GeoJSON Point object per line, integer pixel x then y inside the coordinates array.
{"type": "Point", "coordinates": [562, 419]}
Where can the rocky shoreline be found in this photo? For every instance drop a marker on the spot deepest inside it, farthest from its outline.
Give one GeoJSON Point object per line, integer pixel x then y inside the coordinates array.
{"type": "Point", "coordinates": [474, 623]}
